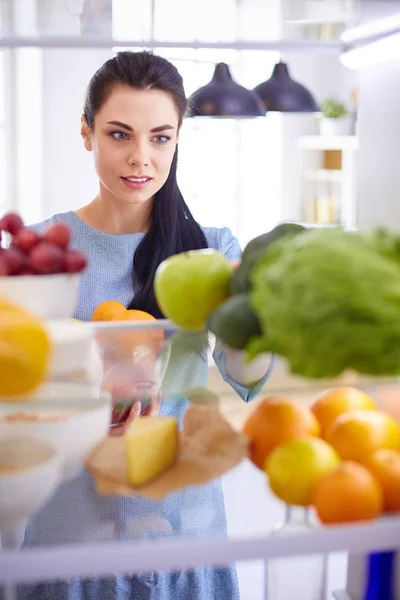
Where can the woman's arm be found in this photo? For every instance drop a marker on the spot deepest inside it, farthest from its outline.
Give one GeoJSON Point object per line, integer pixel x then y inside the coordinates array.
{"type": "Point", "coordinates": [246, 378]}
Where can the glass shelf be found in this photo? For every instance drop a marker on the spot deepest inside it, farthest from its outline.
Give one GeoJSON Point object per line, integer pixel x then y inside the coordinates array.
{"type": "Point", "coordinates": [55, 41]}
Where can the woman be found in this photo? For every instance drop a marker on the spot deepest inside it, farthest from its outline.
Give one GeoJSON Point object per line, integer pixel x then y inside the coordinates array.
{"type": "Point", "coordinates": [133, 112]}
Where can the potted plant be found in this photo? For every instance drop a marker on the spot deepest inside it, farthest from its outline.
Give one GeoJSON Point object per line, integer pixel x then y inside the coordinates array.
{"type": "Point", "coordinates": [335, 118]}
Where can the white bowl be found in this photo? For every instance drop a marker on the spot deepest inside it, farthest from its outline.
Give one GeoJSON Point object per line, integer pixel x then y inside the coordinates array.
{"type": "Point", "coordinates": [30, 471]}
{"type": "Point", "coordinates": [72, 417]}
{"type": "Point", "coordinates": [48, 296]}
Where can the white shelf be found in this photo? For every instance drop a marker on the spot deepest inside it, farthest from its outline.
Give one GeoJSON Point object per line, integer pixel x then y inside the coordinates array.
{"type": "Point", "coordinates": [105, 559]}
{"type": "Point", "coordinates": [328, 175]}
{"type": "Point", "coordinates": [306, 21]}
{"type": "Point", "coordinates": [314, 12]}
{"type": "Point", "coordinates": [54, 41]}
{"type": "Point", "coordinates": [342, 595]}
{"type": "Point", "coordinates": [319, 142]}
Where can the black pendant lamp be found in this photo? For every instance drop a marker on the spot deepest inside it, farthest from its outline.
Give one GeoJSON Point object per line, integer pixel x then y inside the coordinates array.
{"type": "Point", "coordinates": [282, 94]}
{"type": "Point", "coordinates": [222, 97]}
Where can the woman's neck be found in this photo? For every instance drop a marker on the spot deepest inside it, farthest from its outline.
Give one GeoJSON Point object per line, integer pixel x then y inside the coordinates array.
{"type": "Point", "coordinates": [114, 217]}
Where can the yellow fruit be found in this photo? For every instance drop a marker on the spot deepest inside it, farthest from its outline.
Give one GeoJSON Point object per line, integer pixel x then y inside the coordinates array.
{"type": "Point", "coordinates": [349, 493]}
{"type": "Point", "coordinates": [358, 433]}
{"type": "Point", "coordinates": [107, 311]}
{"type": "Point", "coordinates": [334, 402]}
{"type": "Point", "coordinates": [384, 465]}
{"type": "Point", "coordinates": [151, 445]}
{"type": "Point", "coordinates": [295, 467]}
{"type": "Point", "coordinates": [24, 352]}
{"type": "Point", "coordinates": [276, 420]}
{"type": "Point", "coordinates": [10, 306]}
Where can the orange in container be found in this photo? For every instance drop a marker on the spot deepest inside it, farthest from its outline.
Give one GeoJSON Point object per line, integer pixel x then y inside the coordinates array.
{"type": "Point", "coordinates": [127, 343]}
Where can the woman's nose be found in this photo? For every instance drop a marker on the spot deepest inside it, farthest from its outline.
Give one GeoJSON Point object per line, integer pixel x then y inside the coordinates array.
{"type": "Point", "coordinates": [139, 156]}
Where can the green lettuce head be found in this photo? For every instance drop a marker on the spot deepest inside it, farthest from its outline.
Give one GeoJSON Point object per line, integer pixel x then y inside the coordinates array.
{"type": "Point", "coordinates": [329, 301]}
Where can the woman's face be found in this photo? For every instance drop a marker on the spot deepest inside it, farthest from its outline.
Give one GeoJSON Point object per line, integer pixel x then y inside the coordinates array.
{"type": "Point", "coordinates": [133, 141]}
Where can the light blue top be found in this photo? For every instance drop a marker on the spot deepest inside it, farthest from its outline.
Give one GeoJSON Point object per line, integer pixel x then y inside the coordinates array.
{"type": "Point", "coordinates": [77, 514]}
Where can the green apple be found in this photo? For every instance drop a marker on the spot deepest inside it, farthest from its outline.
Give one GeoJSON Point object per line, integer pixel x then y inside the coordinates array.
{"type": "Point", "coordinates": [190, 285]}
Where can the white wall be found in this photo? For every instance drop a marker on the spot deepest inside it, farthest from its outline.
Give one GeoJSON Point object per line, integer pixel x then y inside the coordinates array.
{"type": "Point", "coordinates": [379, 131]}
{"type": "Point", "coordinates": [69, 179]}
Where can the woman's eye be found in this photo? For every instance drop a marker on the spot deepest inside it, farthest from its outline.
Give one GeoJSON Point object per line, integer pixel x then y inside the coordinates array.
{"type": "Point", "coordinates": [161, 139]}
{"type": "Point", "coordinates": [119, 135]}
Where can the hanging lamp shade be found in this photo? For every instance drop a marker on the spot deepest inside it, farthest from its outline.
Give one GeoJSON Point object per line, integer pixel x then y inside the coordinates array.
{"type": "Point", "coordinates": [222, 97]}
{"type": "Point", "coordinates": [282, 94]}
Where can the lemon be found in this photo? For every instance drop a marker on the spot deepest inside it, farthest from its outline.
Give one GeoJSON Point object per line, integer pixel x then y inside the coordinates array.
{"type": "Point", "coordinates": [25, 350]}
{"type": "Point", "coordinates": [295, 467]}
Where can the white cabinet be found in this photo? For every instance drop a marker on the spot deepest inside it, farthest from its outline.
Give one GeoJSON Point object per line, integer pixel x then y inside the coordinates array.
{"type": "Point", "coordinates": [329, 195]}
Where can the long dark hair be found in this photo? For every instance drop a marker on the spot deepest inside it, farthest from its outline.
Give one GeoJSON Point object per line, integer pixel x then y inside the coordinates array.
{"type": "Point", "coordinates": [172, 226]}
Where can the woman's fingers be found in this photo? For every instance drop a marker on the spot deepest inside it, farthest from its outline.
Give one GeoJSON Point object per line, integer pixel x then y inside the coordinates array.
{"type": "Point", "coordinates": [154, 405]}
{"type": "Point", "coordinates": [134, 413]}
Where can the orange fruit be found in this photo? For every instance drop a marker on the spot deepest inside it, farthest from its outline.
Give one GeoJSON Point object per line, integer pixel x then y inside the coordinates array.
{"type": "Point", "coordinates": [295, 467]}
{"type": "Point", "coordinates": [108, 310]}
{"type": "Point", "coordinates": [141, 336]}
{"type": "Point", "coordinates": [130, 342]}
{"type": "Point", "coordinates": [384, 464]}
{"type": "Point", "coordinates": [359, 432]}
{"type": "Point", "coordinates": [336, 401]}
{"type": "Point", "coordinates": [276, 420]}
{"type": "Point", "coordinates": [133, 314]}
{"type": "Point", "coordinates": [347, 494]}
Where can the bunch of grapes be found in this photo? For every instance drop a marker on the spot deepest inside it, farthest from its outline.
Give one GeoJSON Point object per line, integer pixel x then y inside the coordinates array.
{"type": "Point", "coordinates": [33, 254]}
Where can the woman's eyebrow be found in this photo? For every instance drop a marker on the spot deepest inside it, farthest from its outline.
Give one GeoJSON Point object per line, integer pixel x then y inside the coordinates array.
{"type": "Point", "coordinates": [119, 124]}
{"type": "Point", "coordinates": [161, 128]}
{"type": "Point", "coordinates": [129, 128]}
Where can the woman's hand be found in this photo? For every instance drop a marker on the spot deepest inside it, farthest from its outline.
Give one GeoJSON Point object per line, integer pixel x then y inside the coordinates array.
{"type": "Point", "coordinates": [243, 372]}
{"type": "Point", "coordinates": [123, 418]}
{"type": "Point", "coordinates": [134, 392]}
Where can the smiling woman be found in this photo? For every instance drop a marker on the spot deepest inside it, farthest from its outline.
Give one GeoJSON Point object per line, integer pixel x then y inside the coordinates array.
{"type": "Point", "coordinates": [132, 116]}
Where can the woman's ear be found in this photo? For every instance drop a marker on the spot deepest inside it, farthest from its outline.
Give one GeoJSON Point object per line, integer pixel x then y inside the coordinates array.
{"type": "Point", "coordinates": [86, 134]}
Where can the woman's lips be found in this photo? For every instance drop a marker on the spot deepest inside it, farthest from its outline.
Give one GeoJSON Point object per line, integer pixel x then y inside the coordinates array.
{"type": "Point", "coordinates": [136, 183]}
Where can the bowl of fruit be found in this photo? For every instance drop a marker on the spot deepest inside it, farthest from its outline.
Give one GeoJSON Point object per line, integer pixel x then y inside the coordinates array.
{"type": "Point", "coordinates": [40, 271]}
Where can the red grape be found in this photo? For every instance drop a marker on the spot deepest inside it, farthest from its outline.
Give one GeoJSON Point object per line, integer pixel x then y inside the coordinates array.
{"type": "Point", "coordinates": [15, 260]}
{"type": "Point", "coordinates": [46, 258]}
{"type": "Point", "coordinates": [25, 239]}
{"type": "Point", "coordinates": [58, 234]}
{"type": "Point", "coordinates": [11, 223]}
{"type": "Point", "coordinates": [74, 261]}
